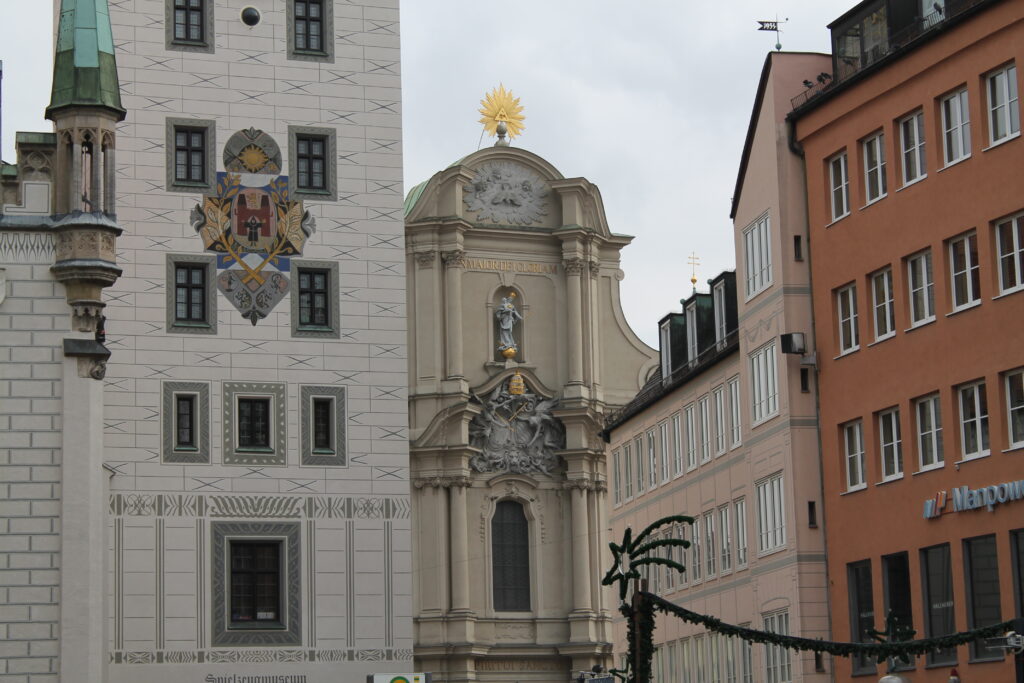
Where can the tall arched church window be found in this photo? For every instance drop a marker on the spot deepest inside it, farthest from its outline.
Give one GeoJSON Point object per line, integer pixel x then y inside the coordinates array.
{"type": "Point", "coordinates": [510, 557]}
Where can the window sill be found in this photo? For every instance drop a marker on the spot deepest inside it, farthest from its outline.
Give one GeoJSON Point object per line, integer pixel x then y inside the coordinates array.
{"type": "Point", "coordinates": [930, 468]}
{"type": "Point", "coordinates": [190, 43]}
{"type": "Point", "coordinates": [185, 449]}
{"type": "Point", "coordinates": [256, 626]}
{"type": "Point", "coordinates": [1002, 141]}
{"type": "Point", "coordinates": [310, 53]}
{"type": "Point", "coordinates": [324, 451]}
{"type": "Point", "coordinates": [889, 480]}
{"type": "Point", "coordinates": [911, 183]}
{"type": "Point", "coordinates": [955, 162]}
{"type": "Point", "coordinates": [771, 551]}
{"type": "Point", "coordinates": [874, 201]}
{"type": "Point", "coordinates": [972, 458]}
{"type": "Point", "coordinates": [258, 451]}
{"type": "Point", "coordinates": [837, 219]}
{"type": "Point", "coordinates": [1013, 448]}
{"type": "Point", "coordinates": [887, 337]}
{"type": "Point", "coordinates": [847, 352]}
{"type": "Point", "coordinates": [965, 307]}
{"type": "Point", "coordinates": [921, 323]}
{"type": "Point", "coordinates": [855, 489]}
{"type": "Point", "coordinates": [1008, 292]}
{"type": "Point", "coordinates": [763, 420]}
{"type": "Point", "coordinates": [312, 191]}
{"type": "Point", "coordinates": [184, 323]}
{"type": "Point", "coordinates": [757, 293]}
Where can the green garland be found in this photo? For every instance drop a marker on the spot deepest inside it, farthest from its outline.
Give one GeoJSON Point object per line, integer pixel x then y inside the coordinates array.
{"type": "Point", "coordinates": [632, 554]}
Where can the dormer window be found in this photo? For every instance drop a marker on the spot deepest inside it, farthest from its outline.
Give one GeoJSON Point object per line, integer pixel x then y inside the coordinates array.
{"type": "Point", "coordinates": [691, 333]}
{"type": "Point", "coordinates": [666, 350]}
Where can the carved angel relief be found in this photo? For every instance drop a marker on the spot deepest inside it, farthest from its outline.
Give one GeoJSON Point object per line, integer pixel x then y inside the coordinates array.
{"type": "Point", "coordinates": [516, 432]}
{"type": "Point", "coordinates": [506, 193]}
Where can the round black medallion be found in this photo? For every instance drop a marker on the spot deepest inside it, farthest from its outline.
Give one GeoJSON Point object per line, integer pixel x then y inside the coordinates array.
{"type": "Point", "coordinates": [250, 16]}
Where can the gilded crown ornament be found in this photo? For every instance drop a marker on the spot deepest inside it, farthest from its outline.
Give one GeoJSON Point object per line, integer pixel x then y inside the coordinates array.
{"type": "Point", "coordinates": [501, 114]}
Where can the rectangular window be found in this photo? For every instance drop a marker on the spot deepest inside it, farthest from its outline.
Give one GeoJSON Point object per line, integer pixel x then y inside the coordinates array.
{"type": "Point", "coordinates": [696, 558]}
{"type": "Point", "coordinates": [776, 657]}
{"type": "Point", "coordinates": [726, 533]}
{"type": "Point", "coordinates": [981, 573]}
{"type": "Point", "coordinates": [666, 447]}
{"type": "Point", "coordinates": [973, 420]}
{"type": "Point", "coordinates": [747, 660]}
{"type": "Point", "coordinates": [929, 432]}
{"type": "Point", "coordinates": [1017, 548]}
{"type": "Point", "coordinates": [309, 25]}
{"type": "Point", "coordinates": [1003, 107]}
{"type": "Point", "coordinates": [185, 421]}
{"type": "Point", "coordinates": [922, 289]}
{"type": "Point", "coordinates": [862, 612]}
{"type": "Point", "coordinates": [882, 297]}
{"type": "Point", "coordinates": [741, 532]}
{"type": "Point", "coordinates": [617, 483]}
{"type": "Point", "coordinates": [853, 443]}
{"type": "Point", "coordinates": [896, 586]}
{"type": "Point", "coordinates": [312, 160]}
{"type": "Point", "coordinates": [734, 409]}
{"type": "Point", "coordinates": [255, 575]}
{"type": "Point", "coordinates": [190, 293]}
{"type": "Point", "coordinates": [677, 444]}
{"type": "Point", "coordinates": [691, 438]}
{"type": "Point", "coordinates": [687, 661]}
{"type": "Point", "coordinates": [846, 311]}
{"type": "Point", "coordinates": [714, 661]}
{"type": "Point", "coordinates": [956, 127]}
{"type": "Point", "coordinates": [1015, 407]}
{"type": "Point", "coordinates": [665, 336]}
{"type": "Point", "coordinates": [729, 645]}
{"type": "Point", "coordinates": [628, 478]}
{"type": "Point", "coordinates": [700, 655]}
{"type": "Point", "coordinates": [705, 428]}
{"type": "Point", "coordinates": [771, 520]}
{"type": "Point", "coordinates": [891, 444]}
{"type": "Point", "coordinates": [757, 255]}
{"type": "Point", "coordinates": [683, 559]}
{"type": "Point", "coordinates": [874, 168]}
{"type": "Point", "coordinates": [323, 425]}
{"type": "Point", "coordinates": [188, 21]}
{"type": "Point", "coordinates": [840, 183]}
{"type": "Point", "coordinates": [1010, 243]}
{"type": "Point", "coordinates": [314, 298]}
{"type": "Point", "coordinates": [764, 387]}
{"type": "Point", "coordinates": [719, 395]}
{"type": "Point", "coordinates": [937, 577]}
{"type": "Point", "coordinates": [638, 449]}
{"type": "Point", "coordinates": [965, 271]}
{"type": "Point", "coordinates": [692, 348]}
{"type": "Point", "coordinates": [912, 139]}
{"type": "Point", "coordinates": [253, 423]}
{"type": "Point", "coordinates": [652, 460]}
{"type": "Point", "coordinates": [720, 319]}
{"type": "Point", "coordinates": [189, 155]}
{"type": "Point", "coordinates": [710, 539]}
{"type": "Point", "coordinates": [670, 555]}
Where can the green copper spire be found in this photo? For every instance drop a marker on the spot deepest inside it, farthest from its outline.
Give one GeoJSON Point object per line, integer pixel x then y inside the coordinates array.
{"type": "Point", "coordinates": [84, 70]}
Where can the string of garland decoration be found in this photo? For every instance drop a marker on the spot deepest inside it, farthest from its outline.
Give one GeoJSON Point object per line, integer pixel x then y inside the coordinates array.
{"type": "Point", "coordinates": [632, 554]}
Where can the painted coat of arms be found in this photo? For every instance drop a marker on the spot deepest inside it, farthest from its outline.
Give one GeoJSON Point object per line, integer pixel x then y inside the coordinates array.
{"type": "Point", "coordinates": [252, 225]}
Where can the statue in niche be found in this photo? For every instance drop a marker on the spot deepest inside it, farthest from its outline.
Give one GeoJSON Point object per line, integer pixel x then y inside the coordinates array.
{"type": "Point", "coordinates": [507, 316]}
{"type": "Point", "coordinates": [516, 432]}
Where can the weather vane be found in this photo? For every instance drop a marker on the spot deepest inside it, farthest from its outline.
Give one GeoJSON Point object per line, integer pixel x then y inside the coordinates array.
{"type": "Point", "coordinates": [773, 26]}
{"type": "Point", "coordinates": [694, 261]}
{"type": "Point", "coordinates": [502, 114]}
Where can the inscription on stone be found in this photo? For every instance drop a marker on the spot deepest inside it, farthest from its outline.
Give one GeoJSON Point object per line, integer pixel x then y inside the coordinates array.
{"type": "Point", "coordinates": [517, 665]}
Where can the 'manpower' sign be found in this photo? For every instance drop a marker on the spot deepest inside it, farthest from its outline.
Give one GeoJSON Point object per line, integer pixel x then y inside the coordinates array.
{"type": "Point", "coordinates": [966, 498]}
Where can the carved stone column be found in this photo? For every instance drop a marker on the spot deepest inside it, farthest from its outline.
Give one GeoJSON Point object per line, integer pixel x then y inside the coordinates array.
{"type": "Point", "coordinates": [109, 175]}
{"type": "Point", "coordinates": [595, 324]}
{"type": "Point", "coordinates": [75, 186]}
{"type": "Point", "coordinates": [580, 546]}
{"type": "Point", "coordinates": [574, 273]}
{"type": "Point", "coordinates": [459, 531]}
{"type": "Point", "coordinates": [454, 262]}
{"type": "Point", "coordinates": [96, 176]}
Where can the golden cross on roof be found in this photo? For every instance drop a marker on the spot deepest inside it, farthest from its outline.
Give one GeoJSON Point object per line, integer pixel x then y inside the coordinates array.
{"type": "Point", "coordinates": [693, 260]}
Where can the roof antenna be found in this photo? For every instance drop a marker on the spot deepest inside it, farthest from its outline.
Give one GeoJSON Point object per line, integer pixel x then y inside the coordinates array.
{"type": "Point", "coordinates": [773, 26]}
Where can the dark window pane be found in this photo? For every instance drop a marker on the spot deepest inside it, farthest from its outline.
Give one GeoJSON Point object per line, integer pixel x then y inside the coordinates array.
{"type": "Point", "coordinates": [184, 428]}
{"type": "Point", "coordinates": [1017, 545]}
{"type": "Point", "coordinates": [896, 577]}
{"type": "Point", "coordinates": [322, 427]}
{"type": "Point", "coordinates": [940, 619]}
{"type": "Point", "coordinates": [982, 574]}
{"type": "Point", "coordinates": [255, 581]}
{"type": "Point", "coordinates": [862, 611]}
{"type": "Point", "coordinates": [510, 557]}
{"type": "Point", "coordinates": [190, 293]}
{"type": "Point", "coordinates": [314, 297]}
{"type": "Point", "coordinates": [254, 423]}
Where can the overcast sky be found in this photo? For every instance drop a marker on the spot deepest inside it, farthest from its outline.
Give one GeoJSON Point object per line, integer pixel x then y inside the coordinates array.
{"type": "Point", "coordinates": [649, 100]}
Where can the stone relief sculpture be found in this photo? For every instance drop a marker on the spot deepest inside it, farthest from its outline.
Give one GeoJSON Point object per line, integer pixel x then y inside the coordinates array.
{"type": "Point", "coordinates": [507, 193]}
{"type": "Point", "coordinates": [507, 316]}
{"type": "Point", "coordinates": [516, 431]}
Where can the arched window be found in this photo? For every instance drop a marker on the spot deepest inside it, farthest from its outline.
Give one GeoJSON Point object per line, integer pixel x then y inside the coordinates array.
{"type": "Point", "coordinates": [510, 557]}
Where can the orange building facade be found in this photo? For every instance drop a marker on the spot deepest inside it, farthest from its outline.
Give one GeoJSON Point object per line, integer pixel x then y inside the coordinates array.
{"type": "Point", "coordinates": [915, 204]}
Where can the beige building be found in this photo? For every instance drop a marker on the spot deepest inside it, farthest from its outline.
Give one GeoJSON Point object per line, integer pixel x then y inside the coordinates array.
{"type": "Point", "coordinates": [727, 433]}
{"type": "Point", "coordinates": [518, 350]}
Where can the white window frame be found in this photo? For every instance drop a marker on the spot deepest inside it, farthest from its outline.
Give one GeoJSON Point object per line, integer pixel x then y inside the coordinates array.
{"type": "Point", "coordinates": [846, 314]}
{"type": "Point", "coordinates": [704, 404]}
{"type": "Point", "coordinates": [627, 471]}
{"type": "Point", "coordinates": [891, 444]}
{"type": "Point", "coordinates": [677, 444]}
{"type": "Point", "coordinates": [839, 175]}
{"type": "Point", "coordinates": [692, 347]}
{"type": "Point", "coordinates": [684, 577]}
{"type": "Point", "coordinates": [1003, 104]}
{"type": "Point", "coordinates": [758, 256]}
{"type": "Point", "coordinates": [771, 515]}
{"type": "Point", "coordinates": [691, 438]}
{"type": "Point", "coordinates": [929, 434]}
{"type": "Point", "coordinates": [665, 336]}
{"type": "Point", "coordinates": [912, 141]}
{"type": "Point", "coordinates": [718, 294]}
{"type": "Point", "coordinates": [696, 558]}
{"type": "Point", "coordinates": [875, 182]}
{"type": "Point", "coordinates": [1014, 386]}
{"type": "Point", "coordinates": [883, 304]}
{"type": "Point", "coordinates": [710, 549]}
{"type": "Point", "coordinates": [776, 658]}
{"type": "Point", "coordinates": [742, 549]}
{"type": "Point", "coordinates": [1011, 260]}
{"type": "Point", "coordinates": [735, 412]}
{"type": "Point", "coordinates": [921, 281]}
{"type": "Point", "coordinates": [652, 461]}
{"type": "Point", "coordinates": [617, 472]}
{"type": "Point", "coordinates": [956, 127]}
{"type": "Point", "coordinates": [746, 660]}
{"type": "Point", "coordinates": [853, 455]}
{"type": "Point", "coordinates": [663, 442]}
{"type": "Point", "coordinates": [965, 271]}
{"type": "Point", "coordinates": [764, 388]}
{"type": "Point", "coordinates": [974, 394]}
{"type": "Point", "coordinates": [638, 446]}
{"type": "Point", "coordinates": [718, 393]}
{"type": "Point", "coordinates": [725, 536]}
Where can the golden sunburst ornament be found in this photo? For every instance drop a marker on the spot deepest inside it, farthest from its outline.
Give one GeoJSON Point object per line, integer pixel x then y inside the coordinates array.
{"type": "Point", "coordinates": [499, 106]}
{"type": "Point", "coordinates": [253, 159]}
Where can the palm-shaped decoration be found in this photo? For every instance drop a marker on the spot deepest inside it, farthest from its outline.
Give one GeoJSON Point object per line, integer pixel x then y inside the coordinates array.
{"type": "Point", "coordinates": [632, 553]}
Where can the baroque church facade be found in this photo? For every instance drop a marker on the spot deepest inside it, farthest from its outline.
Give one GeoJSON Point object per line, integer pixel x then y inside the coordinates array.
{"type": "Point", "coordinates": [205, 457]}
{"type": "Point", "coordinates": [518, 348]}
